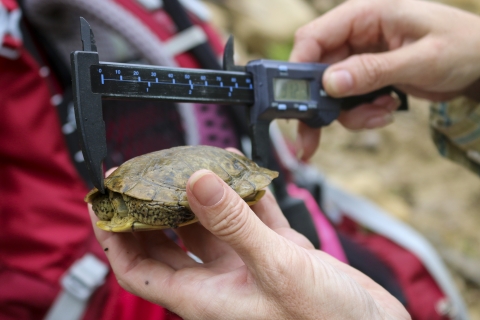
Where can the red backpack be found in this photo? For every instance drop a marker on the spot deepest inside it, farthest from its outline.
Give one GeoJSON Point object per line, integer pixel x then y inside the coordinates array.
{"type": "Point", "coordinates": [46, 229]}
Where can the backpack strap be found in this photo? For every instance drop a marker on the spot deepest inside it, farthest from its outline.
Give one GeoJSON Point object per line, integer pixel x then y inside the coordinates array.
{"type": "Point", "coordinates": [78, 284]}
{"type": "Point", "coordinates": [186, 40]}
{"type": "Point", "coordinates": [10, 34]}
{"type": "Point", "coordinates": [338, 203]}
{"type": "Point", "coordinates": [203, 51]}
{"type": "Point", "coordinates": [56, 72]}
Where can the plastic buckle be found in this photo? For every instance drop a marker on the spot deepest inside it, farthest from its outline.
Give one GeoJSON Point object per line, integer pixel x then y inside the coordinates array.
{"type": "Point", "coordinates": [9, 26]}
{"type": "Point", "coordinates": [84, 276]}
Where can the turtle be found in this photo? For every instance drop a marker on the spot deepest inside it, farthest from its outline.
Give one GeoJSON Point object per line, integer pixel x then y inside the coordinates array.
{"type": "Point", "coordinates": [148, 192]}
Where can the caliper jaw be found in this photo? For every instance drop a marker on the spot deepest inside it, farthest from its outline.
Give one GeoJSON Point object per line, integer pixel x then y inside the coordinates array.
{"type": "Point", "coordinates": [258, 129]}
{"type": "Point", "coordinates": [88, 107]}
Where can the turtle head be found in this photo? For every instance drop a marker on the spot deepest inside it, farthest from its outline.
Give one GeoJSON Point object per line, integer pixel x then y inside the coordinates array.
{"type": "Point", "coordinates": [102, 206]}
{"type": "Point", "coordinates": [109, 205]}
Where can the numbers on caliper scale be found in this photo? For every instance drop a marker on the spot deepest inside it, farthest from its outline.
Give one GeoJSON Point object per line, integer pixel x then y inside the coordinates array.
{"type": "Point", "coordinates": [110, 80]}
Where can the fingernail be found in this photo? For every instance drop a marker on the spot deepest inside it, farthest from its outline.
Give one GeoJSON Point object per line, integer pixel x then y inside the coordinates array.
{"type": "Point", "coordinates": [339, 82]}
{"type": "Point", "coordinates": [379, 121]}
{"type": "Point", "coordinates": [206, 188]}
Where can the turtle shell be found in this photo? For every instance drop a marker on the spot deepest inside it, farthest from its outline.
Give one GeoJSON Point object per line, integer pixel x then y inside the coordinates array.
{"type": "Point", "coordinates": [161, 176]}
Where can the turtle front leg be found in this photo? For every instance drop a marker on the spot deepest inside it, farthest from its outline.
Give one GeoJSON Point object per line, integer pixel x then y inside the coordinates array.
{"type": "Point", "coordinates": [118, 224]}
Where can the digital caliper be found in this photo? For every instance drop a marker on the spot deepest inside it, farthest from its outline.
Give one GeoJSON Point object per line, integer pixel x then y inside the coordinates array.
{"type": "Point", "coordinates": [271, 89]}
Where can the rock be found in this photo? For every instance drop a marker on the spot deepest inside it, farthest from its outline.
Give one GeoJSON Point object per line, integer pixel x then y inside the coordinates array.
{"type": "Point", "coordinates": [323, 6]}
{"type": "Point", "coordinates": [368, 140]}
{"type": "Point", "coordinates": [258, 23]}
{"type": "Point", "coordinates": [219, 17]}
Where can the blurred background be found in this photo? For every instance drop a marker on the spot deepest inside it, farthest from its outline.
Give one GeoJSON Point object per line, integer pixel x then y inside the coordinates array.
{"type": "Point", "coordinates": [397, 167]}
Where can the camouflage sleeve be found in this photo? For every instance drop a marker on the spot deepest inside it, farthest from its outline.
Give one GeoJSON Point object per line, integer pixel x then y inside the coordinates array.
{"type": "Point", "coordinates": [455, 128]}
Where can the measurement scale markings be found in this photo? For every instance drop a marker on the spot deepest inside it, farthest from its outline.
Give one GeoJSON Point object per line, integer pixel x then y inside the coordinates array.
{"type": "Point", "coordinates": [186, 85]}
{"type": "Point", "coordinates": [190, 84]}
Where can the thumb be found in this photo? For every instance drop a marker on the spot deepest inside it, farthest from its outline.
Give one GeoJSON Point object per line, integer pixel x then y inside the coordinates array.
{"type": "Point", "coordinates": [227, 216]}
{"type": "Point", "coordinates": [367, 72]}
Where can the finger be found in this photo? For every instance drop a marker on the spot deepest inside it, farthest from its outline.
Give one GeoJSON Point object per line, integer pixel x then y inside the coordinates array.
{"type": "Point", "coordinates": [308, 140]}
{"type": "Point", "coordinates": [377, 114]}
{"type": "Point", "coordinates": [267, 208]}
{"type": "Point", "coordinates": [269, 212]}
{"type": "Point", "coordinates": [295, 237]}
{"type": "Point", "coordinates": [209, 248]}
{"type": "Point", "coordinates": [429, 95]}
{"type": "Point", "coordinates": [350, 22]}
{"type": "Point", "coordinates": [329, 32]}
{"type": "Point", "coordinates": [160, 247]}
{"type": "Point", "coordinates": [234, 150]}
{"type": "Point", "coordinates": [203, 243]}
{"type": "Point", "coordinates": [305, 49]}
{"type": "Point", "coordinates": [220, 209]}
{"type": "Point", "coordinates": [365, 73]}
{"type": "Point", "coordinates": [336, 55]}
{"type": "Point", "coordinates": [110, 171]}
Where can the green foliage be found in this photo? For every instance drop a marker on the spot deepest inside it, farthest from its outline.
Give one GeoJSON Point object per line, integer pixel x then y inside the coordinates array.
{"type": "Point", "coordinates": [279, 51]}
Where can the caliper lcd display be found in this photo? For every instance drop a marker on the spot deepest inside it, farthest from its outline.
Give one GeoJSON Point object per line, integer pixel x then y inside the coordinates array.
{"type": "Point", "coordinates": [291, 89]}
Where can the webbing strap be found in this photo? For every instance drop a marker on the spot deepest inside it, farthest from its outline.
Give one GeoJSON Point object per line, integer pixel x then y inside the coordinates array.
{"type": "Point", "coordinates": [9, 25]}
{"type": "Point", "coordinates": [79, 283]}
{"type": "Point", "coordinates": [338, 202]}
{"type": "Point", "coordinates": [54, 67]}
{"type": "Point", "coordinates": [185, 40]}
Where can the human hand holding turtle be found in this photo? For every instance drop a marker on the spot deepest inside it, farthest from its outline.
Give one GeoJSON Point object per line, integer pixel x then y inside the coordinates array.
{"type": "Point", "coordinates": [426, 49]}
{"type": "Point", "coordinates": [254, 265]}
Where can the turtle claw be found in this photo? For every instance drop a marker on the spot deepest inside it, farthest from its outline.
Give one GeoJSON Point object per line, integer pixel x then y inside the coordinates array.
{"type": "Point", "coordinates": [116, 227]}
